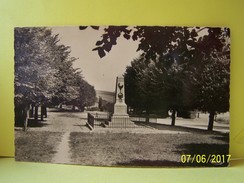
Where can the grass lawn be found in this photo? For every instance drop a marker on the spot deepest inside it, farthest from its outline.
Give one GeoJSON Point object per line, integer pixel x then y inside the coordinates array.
{"type": "Point", "coordinates": [133, 149]}
{"type": "Point", "coordinates": [37, 146]}
{"type": "Point", "coordinates": [162, 146]}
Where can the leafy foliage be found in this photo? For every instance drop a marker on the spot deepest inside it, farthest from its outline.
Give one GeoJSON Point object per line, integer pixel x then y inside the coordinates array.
{"type": "Point", "coordinates": [211, 74]}
{"type": "Point", "coordinates": [180, 67]}
{"type": "Point", "coordinates": [44, 72]}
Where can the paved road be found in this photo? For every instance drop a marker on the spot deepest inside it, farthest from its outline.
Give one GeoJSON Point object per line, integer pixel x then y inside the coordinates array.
{"type": "Point", "coordinates": [221, 125]}
{"type": "Point", "coordinates": [198, 123]}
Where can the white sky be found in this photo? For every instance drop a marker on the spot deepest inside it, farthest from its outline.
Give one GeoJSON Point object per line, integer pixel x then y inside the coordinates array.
{"type": "Point", "coordinates": [101, 73]}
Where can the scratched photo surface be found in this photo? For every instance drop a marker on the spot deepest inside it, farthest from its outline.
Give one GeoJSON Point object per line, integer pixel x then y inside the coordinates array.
{"type": "Point", "coordinates": [138, 96]}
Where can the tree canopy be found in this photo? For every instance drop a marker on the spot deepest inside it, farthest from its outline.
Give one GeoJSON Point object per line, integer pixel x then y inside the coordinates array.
{"type": "Point", "coordinates": [180, 67]}
{"type": "Point", "coordinates": [44, 72]}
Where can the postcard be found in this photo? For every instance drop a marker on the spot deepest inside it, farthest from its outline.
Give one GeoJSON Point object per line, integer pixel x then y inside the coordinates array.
{"type": "Point", "coordinates": [137, 96]}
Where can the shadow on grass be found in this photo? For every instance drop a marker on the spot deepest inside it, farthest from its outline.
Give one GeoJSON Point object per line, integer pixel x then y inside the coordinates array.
{"type": "Point", "coordinates": [33, 123]}
{"type": "Point", "coordinates": [151, 163]}
{"type": "Point", "coordinates": [175, 128]}
{"type": "Point", "coordinates": [224, 138]}
{"type": "Point", "coordinates": [81, 126]}
{"type": "Point", "coordinates": [203, 149]}
{"type": "Point", "coordinates": [166, 163]}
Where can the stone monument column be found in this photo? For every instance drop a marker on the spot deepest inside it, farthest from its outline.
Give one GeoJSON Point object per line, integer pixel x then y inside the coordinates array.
{"type": "Point", "coordinates": [120, 108]}
{"type": "Point", "coordinates": [120, 117]}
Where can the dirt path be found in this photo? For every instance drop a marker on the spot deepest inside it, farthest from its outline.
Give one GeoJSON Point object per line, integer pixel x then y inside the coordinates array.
{"type": "Point", "coordinates": [63, 121]}
{"type": "Point", "coordinates": [63, 151]}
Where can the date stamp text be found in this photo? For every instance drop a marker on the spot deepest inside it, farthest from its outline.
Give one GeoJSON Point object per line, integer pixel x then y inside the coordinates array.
{"type": "Point", "coordinates": [205, 159]}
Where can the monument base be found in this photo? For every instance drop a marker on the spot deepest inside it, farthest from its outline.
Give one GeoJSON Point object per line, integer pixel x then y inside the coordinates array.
{"type": "Point", "coordinates": [120, 109]}
{"type": "Point", "coordinates": [121, 121]}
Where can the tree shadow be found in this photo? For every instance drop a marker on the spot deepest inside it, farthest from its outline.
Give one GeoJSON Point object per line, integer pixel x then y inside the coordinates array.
{"type": "Point", "coordinates": [157, 126]}
{"type": "Point", "coordinates": [81, 126]}
{"type": "Point", "coordinates": [33, 123]}
{"type": "Point", "coordinates": [151, 163]}
{"type": "Point", "coordinates": [166, 163]}
{"type": "Point", "coordinates": [19, 129]}
{"type": "Point", "coordinates": [223, 137]}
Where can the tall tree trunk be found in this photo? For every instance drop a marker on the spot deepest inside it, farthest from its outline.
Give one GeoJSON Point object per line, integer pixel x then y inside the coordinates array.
{"type": "Point", "coordinates": [45, 111]}
{"type": "Point", "coordinates": [147, 116]}
{"type": "Point", "coordinates": [42, 112]}
{"type": "Point", "coordinates": [211, 120]}
{"type": "Point", "coordinates": [18, 116]}
{"type": "Point", "coordinates": [31, 113]}
{"type": "Point", "coordinates": [82, 108]}
{"type": "Point", "coordinates": [26, 118]}
{"type": "Point", "coordinates": [36, 113]}
{"type": "Point", "coordinates": [173, 117]}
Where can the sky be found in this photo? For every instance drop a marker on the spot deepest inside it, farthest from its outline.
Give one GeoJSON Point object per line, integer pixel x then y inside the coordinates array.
{"type": "Point", "coordinates": [99, 72]}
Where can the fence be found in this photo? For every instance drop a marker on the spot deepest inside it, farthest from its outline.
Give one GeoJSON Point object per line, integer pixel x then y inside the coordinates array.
{"type": "Point", "coordinates": [90, 120]}
{"type": "Point", "coordinates": [143, 119]}
{"type": "Point", "coordinates": [98, 119]}
{"type": "Point", "coordinates": [122, 122]}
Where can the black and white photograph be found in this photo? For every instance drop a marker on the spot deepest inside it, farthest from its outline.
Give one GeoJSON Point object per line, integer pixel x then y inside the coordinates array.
{"type": "Point", "coordinates": [124, 96]}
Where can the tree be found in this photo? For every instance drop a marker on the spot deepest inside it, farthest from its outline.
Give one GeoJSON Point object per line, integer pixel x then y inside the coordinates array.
{"type": "Point", "coordinates": [44, 73]}
{"type": "Point", "coordinates": [167, 50]}
{"type": "Point", "coordinates": [152, 87]}
{"type": "Point", "coordinates": [211, 74]}
{"type": "Point", "coordinates": [100, 103]}
{"type": "Point", "coordinates": [87, 95]}
{"type": "Point", "coordinates": [139, 93]}
{"type": "Point", "coordinates": [180, 54]}
{"type": "Point", "coordinates": [32, 67]}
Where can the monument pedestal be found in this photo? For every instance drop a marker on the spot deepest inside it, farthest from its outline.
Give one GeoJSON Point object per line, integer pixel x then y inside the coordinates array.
{"type": "Point", "coordinates": [120, 109]}
{"type": "Point", "coordinates": [121, 122]}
